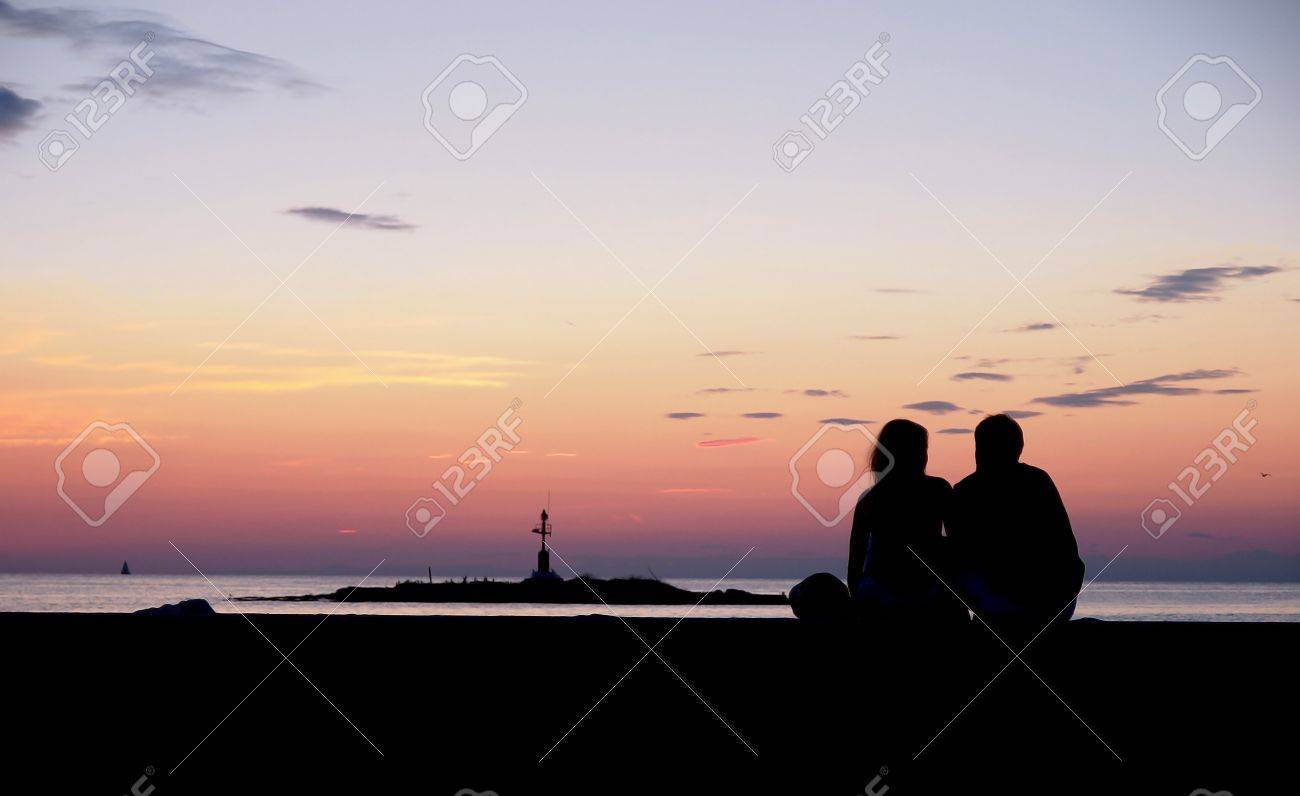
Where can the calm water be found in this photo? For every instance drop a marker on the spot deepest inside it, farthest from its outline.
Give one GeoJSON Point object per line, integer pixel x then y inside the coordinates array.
{"type": "Point", "coordinates": [1176, 602]}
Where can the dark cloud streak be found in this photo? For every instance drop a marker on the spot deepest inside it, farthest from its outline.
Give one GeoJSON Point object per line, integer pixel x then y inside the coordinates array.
{"type": "Point", "coordinates": [363, 220]}
{"type": "Point", "coordinates": [1117, 396]}
{"type": "Point", "coordinates": [16, 113]}
{"type": "Point", "coordinates": [1197, 284]}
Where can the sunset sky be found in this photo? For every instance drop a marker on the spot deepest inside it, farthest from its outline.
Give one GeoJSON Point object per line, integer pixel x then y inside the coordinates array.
{"type": "Point", "coordinates": [866, 284]}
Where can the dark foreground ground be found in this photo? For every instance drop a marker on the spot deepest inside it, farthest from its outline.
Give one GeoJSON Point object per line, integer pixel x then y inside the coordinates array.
{"type": "Point", "coordinates": [95, 703]}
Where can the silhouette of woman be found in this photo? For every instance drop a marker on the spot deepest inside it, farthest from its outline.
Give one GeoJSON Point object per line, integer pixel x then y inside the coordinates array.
{"type": "Point", "coordinates": [897, 551]}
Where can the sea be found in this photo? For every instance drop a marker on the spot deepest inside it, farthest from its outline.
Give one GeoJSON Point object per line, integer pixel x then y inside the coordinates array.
{"type": "Point", "coordinates": [1111, 600]}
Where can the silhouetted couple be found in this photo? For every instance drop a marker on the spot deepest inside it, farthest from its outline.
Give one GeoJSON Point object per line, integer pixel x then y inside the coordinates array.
{"type": "Point", "coordinates": [921, 550]}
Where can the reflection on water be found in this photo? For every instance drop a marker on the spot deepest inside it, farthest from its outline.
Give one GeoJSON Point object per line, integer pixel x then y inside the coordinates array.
{"type": "Point", "coordinates": [1176, 602]}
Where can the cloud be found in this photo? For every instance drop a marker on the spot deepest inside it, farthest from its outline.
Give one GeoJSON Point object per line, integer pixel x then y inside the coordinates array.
{"type": "Point", "coordinates": [933, 407]}
{"type": "Point", "coordinates": [973, 375]}
{"type": "Point", "coordinates": [1197, 284]}
{"type": "Point", "coordinates": [183, 64]}
{"type": "Point", "coordinates": [1233, 391]}
{"type": "Point", "coordinates": [726, 443]}
{"type": "Point", "coordinates": [694, 490]}
{"type": "Point", "coordinates": [814, 392]}
{"type": "Point", "coordinates": [874, 337]}
{"type": "Point", "coordinates": [725, 353]}
{"type": "Point", "coordinates": [844, 421]}
{"type": "Point", "coordinates": [954, 431]}
{"type": "Point", "coordinates": [683, 415]}
{"type": "Point", "coordinates": [1020, 414]}
{"type": "Point", "coordinates": [347, 531]}
{"type": "Point", "coordinates": [559, 455]}
{"type": "Point", "coordinates": [257, 368]}
{"type": "Point", "coordinates": [363, 220]}
{"type": "Point", "coordinates": [762, 415]}
{"type": "Point", "coordinates": [1116, 396]}
{"type": "Point", "coordinates": [1145, 316]}
{"type": "Point", "coordinates": [1041, 326]}
{"type": "Point", "coordinates": [895, 290]}
{"type": "Point", "coordinates": [723, 390]}
{"type": "Point", "coordinates": [16, 113]}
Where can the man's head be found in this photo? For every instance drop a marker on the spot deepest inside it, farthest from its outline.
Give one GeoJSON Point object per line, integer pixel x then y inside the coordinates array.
{"type": "Point", "coordinates": [998, 442]}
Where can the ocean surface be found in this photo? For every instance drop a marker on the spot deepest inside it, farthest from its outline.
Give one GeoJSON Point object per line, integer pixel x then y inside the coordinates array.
{"type": "Point", "coordinates": [1116, 600]}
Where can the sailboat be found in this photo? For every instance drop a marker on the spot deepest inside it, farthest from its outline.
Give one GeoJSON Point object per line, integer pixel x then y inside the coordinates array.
{"type": "Point", "coordinates": [125, 569]}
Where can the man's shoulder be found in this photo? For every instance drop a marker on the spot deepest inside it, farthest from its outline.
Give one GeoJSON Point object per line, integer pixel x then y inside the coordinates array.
{"type": "Point", "coordinates": [1030, 472]}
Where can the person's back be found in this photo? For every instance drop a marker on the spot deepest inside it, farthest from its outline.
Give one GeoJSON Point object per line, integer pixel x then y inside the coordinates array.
{"type": "Point", "coordinates": [904, 511]}
{"type": "Point", "coordinates": [1011, 532]}
{"type": "Point", "coordinates": [895, 547]}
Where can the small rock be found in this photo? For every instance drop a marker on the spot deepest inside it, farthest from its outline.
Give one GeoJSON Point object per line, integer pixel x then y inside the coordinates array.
{"type": "Point", "coordinates": [182, 609]}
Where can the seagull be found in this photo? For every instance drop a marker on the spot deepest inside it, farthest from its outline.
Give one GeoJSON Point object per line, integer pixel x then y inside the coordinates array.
{"type": "Point", "coordinates": [1265, 475]}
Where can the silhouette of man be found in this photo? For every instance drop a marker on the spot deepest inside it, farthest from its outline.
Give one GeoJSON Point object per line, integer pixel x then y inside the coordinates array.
{"type": "Point", "coordinates": [1017, 556]}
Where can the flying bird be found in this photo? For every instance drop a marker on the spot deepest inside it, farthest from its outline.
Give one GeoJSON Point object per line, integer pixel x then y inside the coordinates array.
{"type": "Point", "coordinates": [1265, 475]}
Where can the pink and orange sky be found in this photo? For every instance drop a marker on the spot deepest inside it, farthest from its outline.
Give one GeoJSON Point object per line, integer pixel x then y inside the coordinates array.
{"type": "Point", "coordinates": [867, 284]}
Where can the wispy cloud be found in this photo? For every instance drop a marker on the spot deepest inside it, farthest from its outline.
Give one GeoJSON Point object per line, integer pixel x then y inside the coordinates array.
{"type": "Point", "coordinates": [762, 415]}
{"type": "Point", "coordinates": [252, 368]}
{"type": "Point", "coordinates": [363, 220]}
{"type": "Point", "coordinates": [726, 353]}
{"type": "Point", "coordinates": [16, 113]}
{"type": "Point", "coordinates": [683, 415]}
{"type": "Point", "coordinates": [844, 421]}
{"type": "Point", "coordinates": [561, 455]}
{"type": "Point", "coordinates": [726, 443]}
{"type": "Point", "coordinates": [1198, 284]}
{"type": "Point", "coordinates": [815, 392]}
{"type": "Point", "coordinates": [184, 64]}
{"type": "Point", "coordinates": [954, 431]}
{"type": "Point", "coordinates": [723, 390]}
{"type": "Point", "coordinates": [934, 407]}
{"type": "Point", "coordinates": [975, 375]}
{"type": "Point", "coordinates": [1020, 414]}
{"type": "Point", "coordinates": [874, 337]}
{"type": "Point", "coordinates": [895, 290]}
{"type": "Point", "coordinates": [1040, 326]}
{"type": "Point", "coordinates": [1170, 384]}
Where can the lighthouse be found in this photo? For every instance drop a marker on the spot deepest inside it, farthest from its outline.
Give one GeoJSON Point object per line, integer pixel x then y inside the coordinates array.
{"type": "Point", "coordinates": [543, 570]}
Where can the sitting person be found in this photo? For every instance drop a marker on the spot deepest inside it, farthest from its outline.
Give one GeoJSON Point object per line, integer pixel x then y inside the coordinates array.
{"type": "Point", "coordinates": [1017, 554]}
{"type": "Point", "coordinates": [897, 553]}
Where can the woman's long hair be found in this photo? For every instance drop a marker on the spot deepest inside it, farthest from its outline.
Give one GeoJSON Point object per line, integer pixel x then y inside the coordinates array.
{"type": "Point", "coordinates": [902, 446]}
